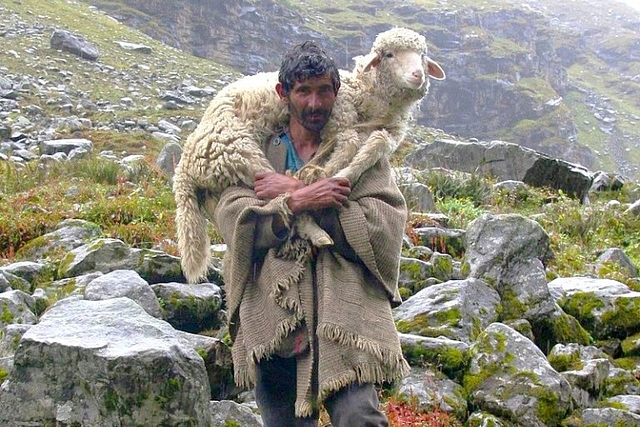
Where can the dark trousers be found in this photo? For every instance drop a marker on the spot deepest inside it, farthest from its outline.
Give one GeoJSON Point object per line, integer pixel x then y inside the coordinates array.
{"type": "Point", "coordinates": [353, 406]}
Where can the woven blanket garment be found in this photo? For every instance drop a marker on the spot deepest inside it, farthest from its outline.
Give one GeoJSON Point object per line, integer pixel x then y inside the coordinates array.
{"type": "Point", "coordinates": [270, 294]}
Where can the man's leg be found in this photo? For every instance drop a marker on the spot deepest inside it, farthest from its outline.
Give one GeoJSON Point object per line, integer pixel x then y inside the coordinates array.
{"type": "Point", "coordinates": [276, 393]}
{"type": "Point", "coordinates": [356, 406]}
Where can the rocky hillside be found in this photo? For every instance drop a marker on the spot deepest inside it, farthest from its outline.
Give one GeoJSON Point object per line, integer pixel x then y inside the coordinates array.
{"type": "Point", "coordinates": [526, 319]}
{"type": "Point", "coordinates": [559, 77]}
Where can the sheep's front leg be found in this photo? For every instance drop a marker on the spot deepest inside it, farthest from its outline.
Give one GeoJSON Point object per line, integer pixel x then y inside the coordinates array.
{"type": "Point", "coordinates": [378, 144]}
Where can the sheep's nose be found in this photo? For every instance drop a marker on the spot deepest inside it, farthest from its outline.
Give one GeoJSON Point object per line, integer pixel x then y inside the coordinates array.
{"type": "Point", "coordinates": [416, 79]}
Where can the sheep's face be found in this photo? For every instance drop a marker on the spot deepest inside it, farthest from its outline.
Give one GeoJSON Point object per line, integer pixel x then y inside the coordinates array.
{"type": "Point", "coordinates": [404, 69]}
{"type": "Point", "coordinates": [401, 54]}
{"type": "Point", "coordinates": [407, 68]}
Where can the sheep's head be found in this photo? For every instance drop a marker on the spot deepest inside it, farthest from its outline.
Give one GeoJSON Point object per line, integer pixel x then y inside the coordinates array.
{"type": "Point", "coordinates": [400, 58]}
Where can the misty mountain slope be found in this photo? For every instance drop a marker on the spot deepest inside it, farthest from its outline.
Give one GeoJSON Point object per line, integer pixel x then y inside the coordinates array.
{"type": "Point", "coordinates": [559, 77]}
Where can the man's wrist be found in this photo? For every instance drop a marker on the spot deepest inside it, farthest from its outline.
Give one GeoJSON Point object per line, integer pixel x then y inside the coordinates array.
{"type": "Point", "coordinates": [293, 203]}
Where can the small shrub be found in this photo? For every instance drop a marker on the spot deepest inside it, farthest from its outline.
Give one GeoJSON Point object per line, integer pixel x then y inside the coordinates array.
{"type": "Point", "coordinates": [403, 413]}
{"type": "Point", "coordinates": [460, 211]}
{"type": "Point", "coordinates": [456, 185]}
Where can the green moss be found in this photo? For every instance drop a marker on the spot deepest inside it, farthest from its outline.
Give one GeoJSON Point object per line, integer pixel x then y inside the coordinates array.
{"type": "Point", "coordinates": [452, 317]}
{"type": "Point", "coordinates": [449, 360]}
{"type": "Point", "coordinates": [442, 267]}
{"type": "Point", "coordinates": [67, 289]}
{"type": "Point", "coordinates": [548, 409]}
{"type": "Point", "coordinates": [631, 345]}
{"type": "Point", "coordinates": [562, 329]}
{"type": "Point", "coordinates": [582, 305]}
{"type": "Point", "coordinates": [417, 273]}
{"type": "Point", "coordinates": [512, 308]}
{"type": "Point", "coordinates": [7, 317]}
{"type": "Point", "coordinates": [501, 342]}
{"type": "Point", "coordinates": [537, 88]}
{"type": "Point", "coordinates": [613, 404]}
{"type": "Point", "coordinates": [465, 269]}
{"type": "Point", "coordinates": [141, 398]}
{"type": "Point", "coordinates": [202, 353]}
{"type": "Point", "coordinates": [65, 264]}
{"type": "Point", "coordinates": [111, 401]}
{"type": "Point", "coordinates": [226, 338]}
{"type": "Point", "coordinates": [422, 325]}
{"type": "Point", "coordinates": [96, 245]}
{"type": "Point", "coordinates": [231, 423]}
{"type": "Point", "coordinates": [3, 374]}
{"type": "Point", "coordinates": [623, 319]}
{"type": "Point", "coordinates": [529, 375]}
{"type": "Point", "coordinates": [32, 245]}
{"type": "Point", "coordinates": [488, 344]}
{"type": "Point", "coordinates": [414, 269]}
{"type": "Point", "coordinates": [486, 420]}
{"type": "Point", "coordinates": [476, 329]}
{"type": "Point", "coordinates": [566, 362]}
{"type": "Point", "coordinates": [620, 384]}
{"type": "Point", "coordinates": [502, 47]}
{"type": "Point", "coordinates": [171, 388]}
{"type": "Point", "coordinates": [472, 382]}
{"type": "Point", "coordinates": [190, 313]}
{"type": "Point", "coordinates": [405, 293]}
{"type": "Point", "coordinates": [627, 363]}
{"type": "Point", "coordinates": [567, 329]}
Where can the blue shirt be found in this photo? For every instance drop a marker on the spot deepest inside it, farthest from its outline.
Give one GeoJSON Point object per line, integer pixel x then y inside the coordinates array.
{"type": "Point", "coordinates": [293, 162]}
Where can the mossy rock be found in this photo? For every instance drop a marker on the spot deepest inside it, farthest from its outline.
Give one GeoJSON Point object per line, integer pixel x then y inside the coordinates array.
{"type": "Point", "coordinates": [446, 359]}
{"type": "Point", "coordinates": [631, 345]}
{"type": "Point", "coordinates": [566, 361]}
{"type": "Point", "coordinates": [560, 329]}
{"type": "Point", "coordinates": [444, 323]}
{"type": "Point", "coordinates": [606, 316]}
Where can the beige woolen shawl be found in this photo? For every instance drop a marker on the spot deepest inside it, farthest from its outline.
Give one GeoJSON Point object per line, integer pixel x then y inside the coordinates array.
{"type": "Point", "coordinates": [269, 293]}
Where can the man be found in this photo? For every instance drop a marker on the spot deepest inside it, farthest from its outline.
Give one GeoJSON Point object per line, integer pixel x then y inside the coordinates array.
{"type": "Point", "coordinates": [311, 325]}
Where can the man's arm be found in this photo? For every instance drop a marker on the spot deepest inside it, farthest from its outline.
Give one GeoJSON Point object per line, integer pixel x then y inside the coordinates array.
{"type": "Point", "coordinates": [323, 194]}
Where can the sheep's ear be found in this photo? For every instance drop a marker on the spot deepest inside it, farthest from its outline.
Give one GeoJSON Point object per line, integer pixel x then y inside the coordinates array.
{"type": "Point", "coordinates": [433, 68]}
{"type": "Point", "coordinates": [370, 60]}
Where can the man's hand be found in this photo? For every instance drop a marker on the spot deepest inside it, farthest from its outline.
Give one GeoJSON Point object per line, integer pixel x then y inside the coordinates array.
{"type": "Point", "coordinates": [325, 193]}
{"type": "Point", "coordinates": [269, 185]}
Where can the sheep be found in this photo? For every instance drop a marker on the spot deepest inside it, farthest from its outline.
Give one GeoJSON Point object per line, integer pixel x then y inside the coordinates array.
{"type": "Point", "coordinates": [369, 120]}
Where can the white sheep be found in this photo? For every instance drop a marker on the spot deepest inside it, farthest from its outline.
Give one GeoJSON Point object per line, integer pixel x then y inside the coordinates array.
{"type": "Point", "coordinates": [369, 120]}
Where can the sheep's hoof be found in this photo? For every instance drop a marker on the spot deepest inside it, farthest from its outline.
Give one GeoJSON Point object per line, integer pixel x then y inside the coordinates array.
{"type": "Point", "coordinates": [322, 242]}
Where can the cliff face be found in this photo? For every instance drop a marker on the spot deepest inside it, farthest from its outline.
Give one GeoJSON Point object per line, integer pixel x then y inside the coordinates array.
{"type": "Point", "coordinates": [558, 77]}
{"type": "Point", "coordinates": [248, 36]}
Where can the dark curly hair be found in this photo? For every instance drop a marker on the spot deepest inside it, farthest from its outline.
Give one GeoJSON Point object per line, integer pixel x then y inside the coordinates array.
{"type": "Point", "coordinates": [304, 61]}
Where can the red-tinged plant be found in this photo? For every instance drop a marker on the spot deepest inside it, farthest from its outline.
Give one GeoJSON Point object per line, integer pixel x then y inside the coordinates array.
{"type": "Point", "coordinates": [402, 413]}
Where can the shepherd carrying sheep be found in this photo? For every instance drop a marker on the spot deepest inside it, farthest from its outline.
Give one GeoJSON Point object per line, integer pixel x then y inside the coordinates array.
{"type": "Point", "coordinates": [369, 119]}
{"type": "Point", "coordinates": [310, 324]}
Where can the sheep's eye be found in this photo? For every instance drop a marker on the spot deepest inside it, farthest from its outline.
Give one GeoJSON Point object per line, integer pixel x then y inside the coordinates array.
{"type": "Point", "coordinates": [388, 55]}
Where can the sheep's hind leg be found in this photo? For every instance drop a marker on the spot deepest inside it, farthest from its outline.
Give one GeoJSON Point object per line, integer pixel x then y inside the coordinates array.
{"type": "Point", "coordinates": [308, 229]}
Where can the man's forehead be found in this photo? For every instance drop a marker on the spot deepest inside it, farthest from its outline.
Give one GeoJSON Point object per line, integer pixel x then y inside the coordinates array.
{"type": "Point", "coordinates": [315, 81]}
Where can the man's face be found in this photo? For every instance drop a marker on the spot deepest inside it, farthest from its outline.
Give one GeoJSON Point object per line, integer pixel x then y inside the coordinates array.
{"type": "Point", "coordinates": [311, 101]}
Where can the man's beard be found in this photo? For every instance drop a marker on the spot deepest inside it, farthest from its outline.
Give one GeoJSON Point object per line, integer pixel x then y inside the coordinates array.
{"type": "Point", "coordinates": [312, 120]}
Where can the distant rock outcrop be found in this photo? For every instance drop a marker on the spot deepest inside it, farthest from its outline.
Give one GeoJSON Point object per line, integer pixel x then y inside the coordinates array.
{"type": "Point", "coordinates": [75, 44]}
{"type": "Point", "coordinates": [504, 161]}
